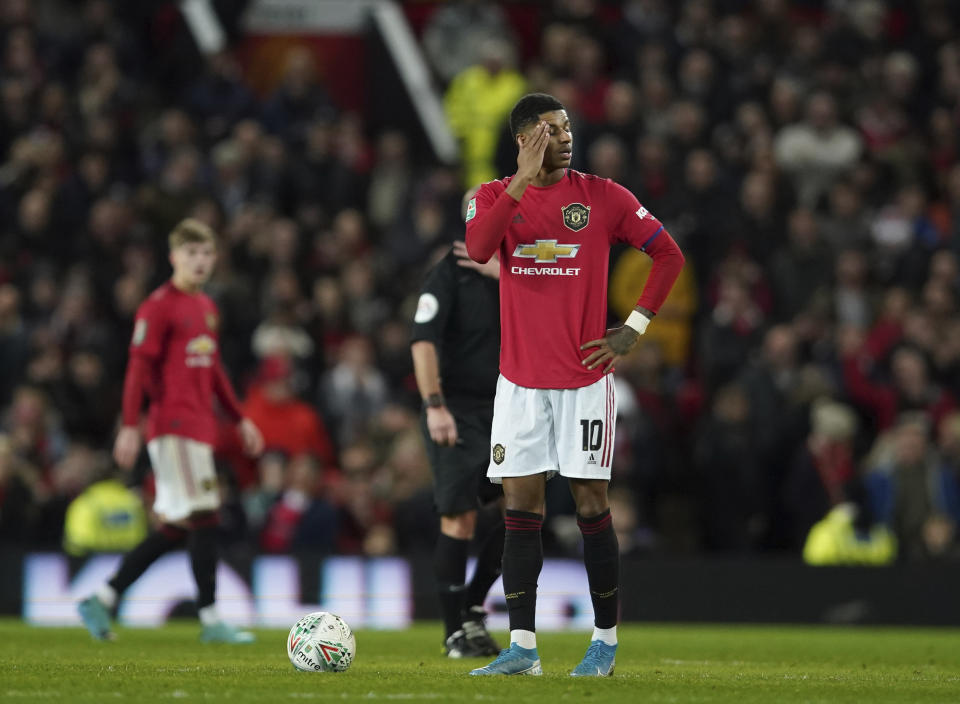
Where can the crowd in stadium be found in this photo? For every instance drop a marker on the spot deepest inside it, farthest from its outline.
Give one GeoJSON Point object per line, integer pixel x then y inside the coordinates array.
{"type": "Point", "coordinates": [804, 155]}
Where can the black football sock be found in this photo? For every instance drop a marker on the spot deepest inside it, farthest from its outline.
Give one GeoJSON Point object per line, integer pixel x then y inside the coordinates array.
{"type": "Point", "coordinates": [203, 558]}
{"type": "Point", "coordinates": [522, 562]}
{"type": "Point", "coordinates": [136, 562]}
{"type": "Point", "coordinates": [601, 556]}
{"type": "Point", "coordinates": [450, 568]}
{"type": "Point", "coordinates": [488, 566]}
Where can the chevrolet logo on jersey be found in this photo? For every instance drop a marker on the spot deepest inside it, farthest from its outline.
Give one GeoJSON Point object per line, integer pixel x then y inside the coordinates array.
{"type": "Point", "coordinates": [546, 250]}
{"type": "Point", "coordinates": [202, 344]}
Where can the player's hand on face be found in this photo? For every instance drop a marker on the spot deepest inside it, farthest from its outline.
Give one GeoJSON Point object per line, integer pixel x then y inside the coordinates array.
{"type": "Point", "coordinates": [251, 438]}
{"type": "Point", "coordinates": [127, 446]}
{"type": "Point", "coordinates": [615, 344]}
{"type": "Point", "coordinates": [532, 148]}
{"type": "Point", "coordinates": [491, 268]}
{"type": "Point", "coordinates": [441, 426]}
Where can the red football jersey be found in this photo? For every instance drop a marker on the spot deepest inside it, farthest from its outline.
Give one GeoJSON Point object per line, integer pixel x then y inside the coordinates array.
{"type": "Point", "coordinates": [176, 333]}
{"type": "Point", "coordinates": [554, 264]}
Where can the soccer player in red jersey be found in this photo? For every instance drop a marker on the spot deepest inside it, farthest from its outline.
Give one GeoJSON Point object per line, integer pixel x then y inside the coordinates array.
{"type": "Point", "coordinates": [555, 405]}
{"type": "Point", "coordinates": [175, 361]}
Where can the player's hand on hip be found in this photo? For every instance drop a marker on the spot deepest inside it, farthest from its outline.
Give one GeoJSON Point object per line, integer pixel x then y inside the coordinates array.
{"type": "Point", "coordinates": [491, 268]}
{"type": "Point", "coordinates": [441, 426]}
{"type": "Point", "coordinates": [532, 148]}
{"type": "Point", "coordinates": [127, 446]}
{"type": "Point", "coordinates": [251, 437]}
{"type": "Point", "coordinates": [615, 344]}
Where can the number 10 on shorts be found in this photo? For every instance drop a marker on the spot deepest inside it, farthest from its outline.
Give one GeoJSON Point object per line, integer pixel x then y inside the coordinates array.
{"type": "Point", "coordinates": [592, 431]}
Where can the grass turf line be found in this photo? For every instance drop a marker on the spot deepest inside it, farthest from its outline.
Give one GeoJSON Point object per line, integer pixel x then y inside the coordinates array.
{"type": "Point", "coordinates": [656, 663]}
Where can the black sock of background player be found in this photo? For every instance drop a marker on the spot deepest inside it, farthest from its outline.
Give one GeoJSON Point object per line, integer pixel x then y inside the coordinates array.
{"type": "Point", "coordinates": [203, 559]}
{"type": "Point", "coordinates": [522, 562]}
{"type": "Point", "coordinates": [136, 562]}
{"type": "Point", "coordinates": [601, 556]}
{"type": "Point", "coordinates": [488, 566]}
{"type": "Point", "coordinates": [450, 568]}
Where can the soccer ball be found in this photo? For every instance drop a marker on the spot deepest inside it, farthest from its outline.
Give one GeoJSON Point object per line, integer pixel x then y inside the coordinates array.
{"type": "Point", "coordinates": [321, 642]}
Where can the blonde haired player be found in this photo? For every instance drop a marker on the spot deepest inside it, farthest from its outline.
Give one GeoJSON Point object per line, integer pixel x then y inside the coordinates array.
{"type": "Point", "coordinates": [175, 362]}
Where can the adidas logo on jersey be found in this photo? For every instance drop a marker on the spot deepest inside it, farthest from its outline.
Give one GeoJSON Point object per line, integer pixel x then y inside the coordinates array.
{"type": "Point", "coordinates": [592, 459]}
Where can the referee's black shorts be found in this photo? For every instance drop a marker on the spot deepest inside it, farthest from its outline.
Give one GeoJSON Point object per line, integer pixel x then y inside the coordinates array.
{"type": "Point", "coordinates": [460, 472]}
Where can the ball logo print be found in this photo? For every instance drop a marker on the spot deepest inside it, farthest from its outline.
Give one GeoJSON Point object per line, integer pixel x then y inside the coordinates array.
{"type": "Point", "coordinates": [321, 642]}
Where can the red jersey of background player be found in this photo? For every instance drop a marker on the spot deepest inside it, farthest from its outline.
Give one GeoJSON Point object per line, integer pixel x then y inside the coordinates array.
{"type": "Point", "coordinates": [175, 357]}
{"type": "Point", "coordinates": [554, 264]}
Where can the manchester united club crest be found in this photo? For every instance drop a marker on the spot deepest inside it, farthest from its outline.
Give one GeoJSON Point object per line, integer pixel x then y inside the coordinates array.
{"type": "Point", "coordinates": [576, 216]}
{"type": "Point", "coordinates": [499, 452]}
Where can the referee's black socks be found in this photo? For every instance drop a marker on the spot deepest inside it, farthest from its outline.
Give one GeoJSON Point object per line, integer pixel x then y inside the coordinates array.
{"type": "Point", "coordinates": [450, 567]}
{"type": "Point", "coordinates": [601, 557]}
{"type": "Point", "coordinates": [522, 562]}
{"type": "Point", "coordinates": [487, 569]}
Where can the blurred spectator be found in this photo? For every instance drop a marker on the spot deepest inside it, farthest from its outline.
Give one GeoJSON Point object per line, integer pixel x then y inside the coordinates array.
{"type": "Point", "coordinates": [353, 391]}
{"type": "Point", "coordinates": [34, 431]}
{"type": "Point", "coordinates": [909, 387]}
{"type": "Point", "coordinates": [729, 333]}
{"type": "Point", "coordinates": [674, 333]}
{"type": "Point", "coordinates": [105, 517]}
{"type": "Point", "coordinates": [365, 514]}
{"type": "Point", "coordinates": [819, 150]}
{"type": "Point", "coordinates": [87, 399]}
{"type": "Point", "coordinates": [454, 36]}
{"type": "Point", "coordinates": [840, 538]}
{"type": "Point", "coordinates": [908, 490]}
{"type": "Point", "coordinates": [299, 100]}
{"type": "Point", "coordinates": [730, 483]}
{"type": "Point", "coordinates": [820, 471]}
{"type": "Point", "coordinates": [802, 268]}
{"type": "Point", "coordinates": [18, 491]}
{"type": "Point", "coordinates": [14, 344]}
{"type": "Point", "coordinates": [477, 103]}
{"type": "Point", "coordinates": [219, 97]}
{"type": "Point", "coordinates": [288, 424]}
{"type": "Point", "coordinates": [300, 518]}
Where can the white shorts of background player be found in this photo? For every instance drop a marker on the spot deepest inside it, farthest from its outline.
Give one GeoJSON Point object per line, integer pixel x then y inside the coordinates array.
{"type": "Point", "coordinates": [186, 477]}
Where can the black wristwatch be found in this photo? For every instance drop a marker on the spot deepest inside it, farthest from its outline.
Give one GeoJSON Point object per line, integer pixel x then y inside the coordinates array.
{"type": "Point", "coordinates": [434, 401]}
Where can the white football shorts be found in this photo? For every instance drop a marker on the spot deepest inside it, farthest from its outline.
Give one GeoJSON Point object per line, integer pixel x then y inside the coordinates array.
{"type": "Point", "coordinates": [565, 431]}
{"type": "Point", "coordinates": [185, 475]}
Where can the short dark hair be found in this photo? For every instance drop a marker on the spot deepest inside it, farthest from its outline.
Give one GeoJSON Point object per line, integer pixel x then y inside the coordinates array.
{"type": "Point", "coordinates": [529, 108]}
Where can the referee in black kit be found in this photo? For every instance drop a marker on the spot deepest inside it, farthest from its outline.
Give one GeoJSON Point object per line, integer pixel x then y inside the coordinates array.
{"type": "Point", "coordinates": [456, 356]}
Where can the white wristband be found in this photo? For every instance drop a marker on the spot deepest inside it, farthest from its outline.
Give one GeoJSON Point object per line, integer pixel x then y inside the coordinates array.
{"type": "Point", "coordinates": [638, 321]}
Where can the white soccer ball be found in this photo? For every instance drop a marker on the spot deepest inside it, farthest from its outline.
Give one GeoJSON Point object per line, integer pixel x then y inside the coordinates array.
{"type": "Point", "coordinates": [321, 642]}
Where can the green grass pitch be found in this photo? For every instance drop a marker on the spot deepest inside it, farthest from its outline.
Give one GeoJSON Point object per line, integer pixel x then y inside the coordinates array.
{"type": "Point", "coordinates": [656, 663]}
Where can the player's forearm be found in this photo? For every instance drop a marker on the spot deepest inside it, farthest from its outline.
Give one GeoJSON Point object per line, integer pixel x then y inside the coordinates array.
{"type": "Point", "coordinates": [485, 232]}
{"type": "Point", "coordinates": [225, 394]}
{"type": "Point", "coordinates": [426, 368]}
{"type": "Point", "coordinates": [667, 263]}
{"type": "Point", "coordinates": [134, 384]}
